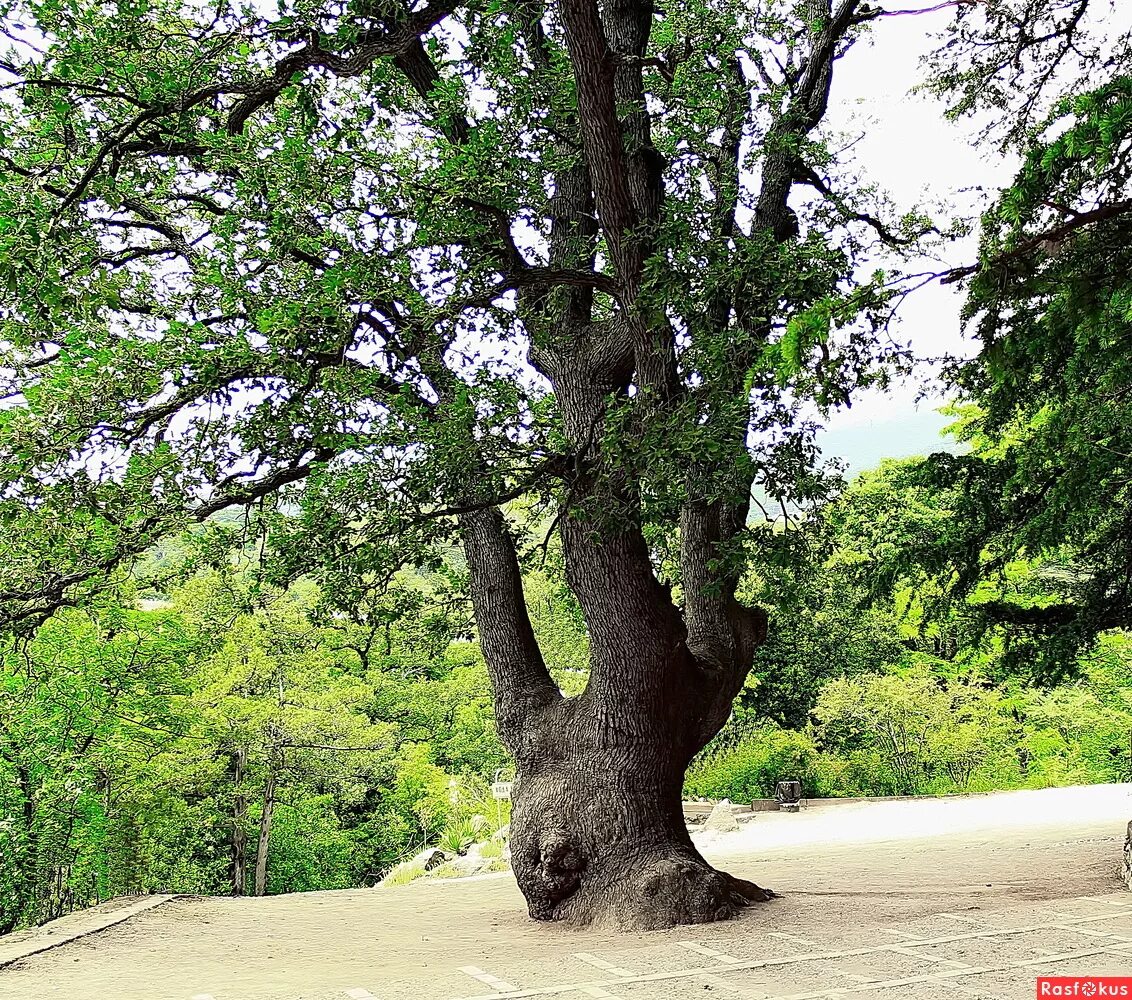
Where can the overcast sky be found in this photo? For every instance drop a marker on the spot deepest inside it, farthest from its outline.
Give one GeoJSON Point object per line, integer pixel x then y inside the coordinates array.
{"type": "Point", "coordinates": [909, 150]}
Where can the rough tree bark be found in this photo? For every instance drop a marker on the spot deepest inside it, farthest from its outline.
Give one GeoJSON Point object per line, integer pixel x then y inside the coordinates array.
{"type": "Point", "coordinates": [597, 829]}
{"type": "Point", "coordinates": [598, 832]}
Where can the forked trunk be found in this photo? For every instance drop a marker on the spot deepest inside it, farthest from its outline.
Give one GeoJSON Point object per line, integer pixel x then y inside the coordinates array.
{"type": "Point", "coordinates": [597, 829]}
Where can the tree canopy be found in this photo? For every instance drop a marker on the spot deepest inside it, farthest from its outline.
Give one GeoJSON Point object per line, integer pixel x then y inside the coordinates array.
{"type": "Point", "coordinates": [331, 253]}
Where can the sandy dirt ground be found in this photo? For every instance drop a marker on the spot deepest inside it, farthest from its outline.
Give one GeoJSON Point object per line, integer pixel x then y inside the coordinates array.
{"type": "Point", "coordinates": [961, 897]}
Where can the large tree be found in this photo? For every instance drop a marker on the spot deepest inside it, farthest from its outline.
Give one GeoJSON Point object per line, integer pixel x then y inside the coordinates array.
{"type": "Point", "coordinates": [374, 270]}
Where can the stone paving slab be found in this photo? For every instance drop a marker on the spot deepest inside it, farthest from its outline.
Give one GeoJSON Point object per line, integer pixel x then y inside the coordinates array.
{"type": "Point", "coordinates": [16, 947]}
{"type": "Point", "coordinates": [996, 956]}
{"type": "Point", "coordinates": [992, 954]}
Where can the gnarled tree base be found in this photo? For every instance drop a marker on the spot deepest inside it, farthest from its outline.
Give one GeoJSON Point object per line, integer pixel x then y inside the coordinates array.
{"type": "Point", "coordinates": [617, 856]}
{"type": "Point", "coordinates": [663, 892]}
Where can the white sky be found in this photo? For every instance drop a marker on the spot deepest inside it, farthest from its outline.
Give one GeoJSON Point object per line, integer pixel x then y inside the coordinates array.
{"type": "Point", "coordinates": [912, 153]}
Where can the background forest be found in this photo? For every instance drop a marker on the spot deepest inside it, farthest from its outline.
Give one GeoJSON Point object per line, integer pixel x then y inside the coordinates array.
{"type": "Point", "coordinates": [225, 735]}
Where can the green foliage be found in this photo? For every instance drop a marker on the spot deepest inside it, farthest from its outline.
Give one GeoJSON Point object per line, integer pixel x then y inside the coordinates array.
{"type": "Point", "coordinates": [254, 263]}
{"type": "Point", "coordinates": [137, 745]}
{"type": "Point", "coordinates": [403, 873]}
{"type": "Point", "coordinates": [251, 262]}
{"type": "Point", "coordinates": [928, 727]}
{"type": "Point", "coordinates": [752, 767]}
{"type": "Point", "coordinates": [458, 837]}
{"type": "Point", "coordinates": [833, 635]}
{"type": "Point", "coordinates": [1032, 526]}
{"type": "Point", "coordinates": [907, 733]}
{"type": "Point", "coordinates": [559, 627]}
{"type": "Point", "coordinates": [120, 728]}
{"type": "Point", "coordinates": [310, 849]}
{"type": "Point", "coordinates": [997, 61]}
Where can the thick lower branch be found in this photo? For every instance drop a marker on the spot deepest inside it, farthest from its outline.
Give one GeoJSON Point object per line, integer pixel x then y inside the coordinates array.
{"type": "Point", "coordinates": [629, 613]}
{"type": "Point", "coordinates": [519, 677]}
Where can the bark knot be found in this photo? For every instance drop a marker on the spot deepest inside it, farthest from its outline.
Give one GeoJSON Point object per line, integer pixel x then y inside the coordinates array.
{"type": "Point", "coordinates": [558, 872]}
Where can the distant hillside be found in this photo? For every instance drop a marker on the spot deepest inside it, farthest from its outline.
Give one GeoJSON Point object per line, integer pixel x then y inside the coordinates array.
{"type": "Point", "coordinates": [907, 432]}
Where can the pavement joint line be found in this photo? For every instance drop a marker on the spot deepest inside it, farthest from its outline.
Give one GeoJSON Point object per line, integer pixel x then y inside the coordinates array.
{"type": "Point", "coordinates": [597, 991]}
{"type": "Point", "coordinates": [488, 979]}
{"type": "Point", "coordinates": [356, 993]}
{"type": "Point", "coordinates": [717, 981]}
{"type": "Point", "coordinates": [905, 950]}
{"type": "Point", "coordinates": [954, 963]}
{"type": "Point", "coordinates": [902, 934]}
{"type": "Point", "coordinates": [825, 956]}
{"type": "Point", "coordinates": [1100, 934]}
{"type": "Point", "coordinates": [710, 952]}
{"type": "Point", "coordinates": [884, 984]}
{"type": "Point", "coordinates": [1062, 915]}
{"type": "Point", "coordinates": [1110, 902]}
{"type": "Point", "coordinates": [601, 963]}
{"type": "Point", "coordinates": [960, 917]}
{"type": "Point", "coordinates": [1064, 956]}
{"type": "Point", "coordinates": [792, 937]}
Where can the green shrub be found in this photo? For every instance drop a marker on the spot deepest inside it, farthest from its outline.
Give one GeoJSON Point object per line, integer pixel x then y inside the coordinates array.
{"type": "Point", "coordinates": [403, 874]}
{"type": "Point", "coordinates": [910, 733]}
{"type": "Point", "coordinates": [457, 838]}
{"type": "Point", "coordinates": [492, 850]}
{"type": "Point", "coordinates": [752, 767]}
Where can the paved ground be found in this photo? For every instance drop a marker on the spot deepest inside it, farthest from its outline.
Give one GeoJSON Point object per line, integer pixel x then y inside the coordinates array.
{"type": "Point", "coordinates": [958, 899]}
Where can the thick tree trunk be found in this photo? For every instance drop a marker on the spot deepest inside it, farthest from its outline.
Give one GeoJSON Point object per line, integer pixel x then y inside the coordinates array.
{"type": "Point", "coordinates": [598, 832]}
{"type": "Point", "coordinates": [597, 828]}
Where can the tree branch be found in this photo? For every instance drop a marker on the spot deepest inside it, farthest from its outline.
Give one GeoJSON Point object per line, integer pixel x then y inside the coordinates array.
{"type": "Point", "coordinates": [807, 175]}
{"type": "Point", "coordinates": [1052, 237]}
{"type": "Point", "coordinates": [594, 66]}
{"type": "Point", "coordinates": [519, 677]}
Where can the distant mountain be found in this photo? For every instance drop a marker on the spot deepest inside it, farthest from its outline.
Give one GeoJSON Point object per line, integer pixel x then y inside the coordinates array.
{"type": "Point", "coordinates": [906, 432]}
